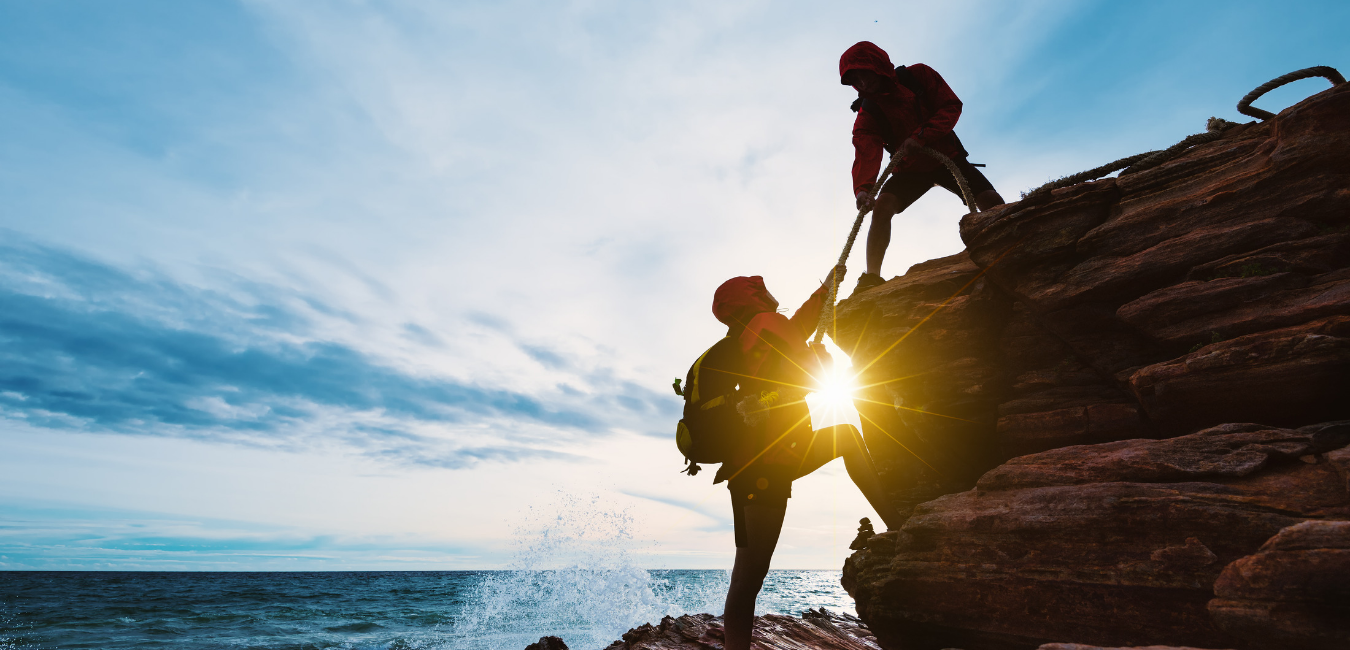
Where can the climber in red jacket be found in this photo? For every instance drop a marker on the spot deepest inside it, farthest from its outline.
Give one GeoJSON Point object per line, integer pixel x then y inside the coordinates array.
{"type": "Point", "coordinates": [908, 107]}
{"type": "Point", "coordinates": [776, 367]}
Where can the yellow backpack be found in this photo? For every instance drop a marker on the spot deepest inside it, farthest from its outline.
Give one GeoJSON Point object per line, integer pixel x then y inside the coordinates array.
{"type": "Point", "coordinates": [711, 426]}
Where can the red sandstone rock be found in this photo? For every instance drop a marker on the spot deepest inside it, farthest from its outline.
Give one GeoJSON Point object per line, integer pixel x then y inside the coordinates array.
{"type": "Point", "coordinates": [926, 345]}
{"type": "Point", "coordinates": [1284, 376]}
{"type": "Point", "coordinates": [1099, 325]}
{"type": "Point", "coordinates": [815, 630]}
{"type": "Point", "coordinates": [1228, 451]}
{"type": "Point", "coordinates": [1079, 646]}
{"type": "Point", "coordinates": [1115, 544]}
{"type": "Point", "coordinates": [1293, 593]}
{"type": "Point", "coordinates": [547, 643]}
{"type": "Point", "coordinates": [1266, 198]}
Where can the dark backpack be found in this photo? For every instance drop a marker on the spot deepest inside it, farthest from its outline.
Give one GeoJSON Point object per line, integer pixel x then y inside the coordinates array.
{"type": "Point", "coordinates": [888, 136]}
{"type": "Point", "coordinates": [711, 425]}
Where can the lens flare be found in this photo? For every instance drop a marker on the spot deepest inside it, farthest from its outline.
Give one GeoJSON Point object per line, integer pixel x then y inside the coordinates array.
{"type": "Point", "coordinates": [832, 402]}
{"type": "Point", "coordinates": [837, 390]}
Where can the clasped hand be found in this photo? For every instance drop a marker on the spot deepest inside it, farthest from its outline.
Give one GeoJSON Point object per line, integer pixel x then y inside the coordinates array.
{"type": "Point", "coordinates": [838, 271]}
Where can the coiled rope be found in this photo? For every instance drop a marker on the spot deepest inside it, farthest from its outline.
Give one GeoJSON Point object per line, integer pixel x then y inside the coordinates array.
{"type": "Point", "coordinates": [1214, 129]}
{"type": "Point", "coordinates": [827, 313]}
{"type": "Point", "coordinates": [1245, 104]}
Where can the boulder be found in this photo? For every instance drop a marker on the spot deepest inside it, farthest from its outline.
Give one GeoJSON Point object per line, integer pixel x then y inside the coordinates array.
{"type": "Point", "coordinates": [547, 643]}
{"type": "Point", "coordinates": [1079, 646]}
{"type": "Point", "coordinates": [815, 630]}
{"type": "Point", "coordinates": [1114, 544]}
{"type": "Point", "coordinates": [1293, 593]}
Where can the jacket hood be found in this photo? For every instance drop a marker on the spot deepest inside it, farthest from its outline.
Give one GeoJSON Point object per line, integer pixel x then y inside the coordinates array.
{"type": "Point", "coordinates": [738, 299]}
{"type": "Point", "coordinates": [865, 55]}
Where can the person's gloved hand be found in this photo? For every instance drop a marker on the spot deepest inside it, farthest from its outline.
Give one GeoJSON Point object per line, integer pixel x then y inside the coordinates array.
{"type": "Point", "coordinates": [911, 147]}
{"type": "Point", "coordinates": [838, 271]}
{"type": "Point", "coordinates": [864, 199]}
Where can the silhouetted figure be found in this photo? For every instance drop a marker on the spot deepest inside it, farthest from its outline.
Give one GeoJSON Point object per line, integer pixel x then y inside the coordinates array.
{"type": "Point", "coordinates": [908, 107]}
{"type": "Point", "coordinates": [775, 369]}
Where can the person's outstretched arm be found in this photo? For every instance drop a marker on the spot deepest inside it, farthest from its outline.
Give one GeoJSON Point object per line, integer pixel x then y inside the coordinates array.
{"type": "Point", "coordinates": [808, 315]}
{"type": "Point", "coordinates": [867, 148]}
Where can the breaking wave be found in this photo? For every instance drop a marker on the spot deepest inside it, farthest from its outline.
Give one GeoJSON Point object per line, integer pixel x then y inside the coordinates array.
{"type": "Point", "coordinates": [574, 576]}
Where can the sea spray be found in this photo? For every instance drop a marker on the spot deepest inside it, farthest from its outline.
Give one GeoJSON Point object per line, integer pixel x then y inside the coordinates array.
{"type": "Point", "coordinates": [374, 610]}
{"type": "Point", "coordinates": [11, 631]}
{"type": "Point", "coordinates": [574, 576]}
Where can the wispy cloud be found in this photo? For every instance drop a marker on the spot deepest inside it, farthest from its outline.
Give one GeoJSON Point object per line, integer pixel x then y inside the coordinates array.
{"type": "Point", "coordinates": [92, 347]}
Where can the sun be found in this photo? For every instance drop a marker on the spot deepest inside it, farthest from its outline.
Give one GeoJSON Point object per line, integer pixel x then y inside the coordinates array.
{"type": "Point", "coordinates": [836, 389]}
{"type": "Point", "coordinates": [832, 402]}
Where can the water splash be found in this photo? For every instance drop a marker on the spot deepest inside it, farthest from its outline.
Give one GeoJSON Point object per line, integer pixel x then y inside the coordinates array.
{"type": "Point", "coordinates": [574, 576]}
{"type": "Point", "coordinates": [10, 630]}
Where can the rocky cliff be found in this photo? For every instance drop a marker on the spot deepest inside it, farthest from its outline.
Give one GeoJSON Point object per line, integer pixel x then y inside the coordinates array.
{"type": "Point", "coordinates": [814, 630]}
{"type": "Point", "coordinates": [1119, 395]}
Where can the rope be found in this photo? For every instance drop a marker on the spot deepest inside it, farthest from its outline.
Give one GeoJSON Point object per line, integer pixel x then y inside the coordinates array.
{"type": "Point", "coordinates": [1138, 162]}
{"type": "Point", "coordinates": [1214, 130]}
{"type": "Point", "coordinates": [827, 312]}
{"type": "Point", "coordinates": [1245, 105]}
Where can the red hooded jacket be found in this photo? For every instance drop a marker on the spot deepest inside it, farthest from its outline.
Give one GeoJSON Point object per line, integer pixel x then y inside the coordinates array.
{"type": "Point", "coordinates": [907, 115]}
{"type": "Point", "coordinates": [745, 301]}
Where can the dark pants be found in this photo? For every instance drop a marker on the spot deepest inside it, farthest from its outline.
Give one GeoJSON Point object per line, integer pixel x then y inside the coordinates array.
{"type": "Point", "coordinates": [907, 187]}
{"type": "Point", "coordinates": [771, 485]}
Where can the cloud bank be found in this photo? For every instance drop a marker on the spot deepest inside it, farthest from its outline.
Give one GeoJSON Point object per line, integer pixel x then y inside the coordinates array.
{"type": "Point", "coordinates": [92, 347]}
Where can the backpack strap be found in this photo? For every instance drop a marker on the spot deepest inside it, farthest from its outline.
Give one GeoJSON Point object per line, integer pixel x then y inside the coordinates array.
{"type": "Point", "coordinates": [888, 136]}
{"type": "Point", "coordinates": [908, 80]}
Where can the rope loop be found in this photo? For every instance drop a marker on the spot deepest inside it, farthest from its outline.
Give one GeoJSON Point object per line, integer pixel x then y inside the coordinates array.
{"type": "Point", "coordinates": [1245, 105]}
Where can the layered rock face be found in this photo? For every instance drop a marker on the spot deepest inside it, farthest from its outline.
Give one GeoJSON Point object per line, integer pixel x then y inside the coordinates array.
{"type": "Point", "coordinates": [815, 630]}
{"type": "Point", "coordinates": [1293, 593]}
{"type": "Point", "coordinates": [1122, 332]}
{"type": "Point", "coordinates": [1114, 544]}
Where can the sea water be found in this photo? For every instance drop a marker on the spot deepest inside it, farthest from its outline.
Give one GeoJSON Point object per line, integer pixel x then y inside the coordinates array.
{"type": "Point", "coordinates": [576, 574]}
{"type": "Point", "coordinates": [589, 607]}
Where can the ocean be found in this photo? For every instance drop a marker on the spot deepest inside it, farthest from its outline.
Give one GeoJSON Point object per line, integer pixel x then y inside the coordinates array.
{"type": "Point", "coordinates": [451, 610]}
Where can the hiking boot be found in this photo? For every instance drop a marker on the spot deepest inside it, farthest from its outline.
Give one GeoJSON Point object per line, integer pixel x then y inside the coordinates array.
{"type": "Point", "coordinates": [867, 281]}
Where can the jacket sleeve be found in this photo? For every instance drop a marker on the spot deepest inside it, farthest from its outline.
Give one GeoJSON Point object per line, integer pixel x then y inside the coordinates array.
{"type": "Point", "coordinates": [946, 106]}
{"type": "Point", "coordinates": [867, 148]}
{"type": "Point", "coordinates": [808, 315]}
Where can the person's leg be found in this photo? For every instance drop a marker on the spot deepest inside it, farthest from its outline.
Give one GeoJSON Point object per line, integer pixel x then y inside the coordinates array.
{"type": "Point", "coordinates": [985, 195]}
{"type": "Point", "coordinates": [898, 193]}
{"type": "Point", "coordinates": [879, 233]}
{"type": "Point", "coordinates": [858, 462]}
{"type": "Point", "coordinates": [988, 199]}
{"type": "Point", "coordinates": [763, 523]}
{"type": "Point", "coordinates": [844, 440]}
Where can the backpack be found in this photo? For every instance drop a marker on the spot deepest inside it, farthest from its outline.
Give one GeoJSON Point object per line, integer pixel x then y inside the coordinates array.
{"type": "Point", "coordinates": [711, 425]}
{"type": "Point", "coordinates": [888, 136]}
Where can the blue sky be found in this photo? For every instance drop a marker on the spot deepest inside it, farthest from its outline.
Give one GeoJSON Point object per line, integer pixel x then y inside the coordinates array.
{"type": "Point", "coordinates": [359, 285]}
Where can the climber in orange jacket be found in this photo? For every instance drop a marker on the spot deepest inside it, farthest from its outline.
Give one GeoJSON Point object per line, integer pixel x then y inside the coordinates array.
{"type": "Point", "coordinates": [909, 107]}
{"type": "Point", "coordinates": [777, 368]}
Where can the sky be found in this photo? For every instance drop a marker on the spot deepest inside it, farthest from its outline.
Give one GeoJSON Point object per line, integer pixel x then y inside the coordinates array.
{"type": "Point", "coordinates": [339, 285]}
